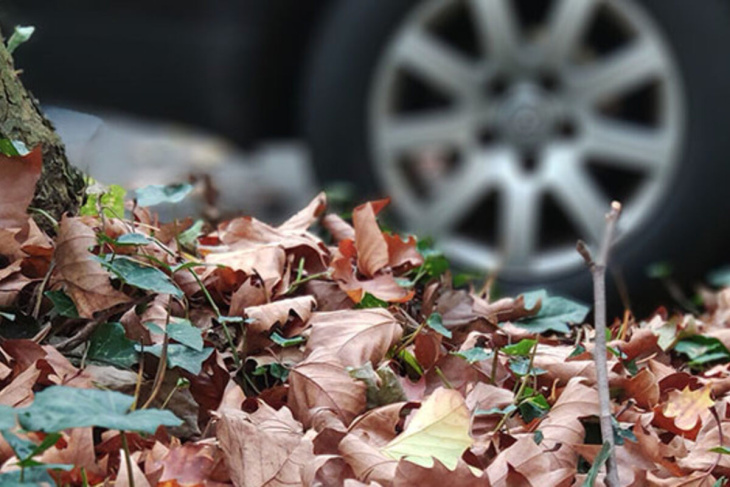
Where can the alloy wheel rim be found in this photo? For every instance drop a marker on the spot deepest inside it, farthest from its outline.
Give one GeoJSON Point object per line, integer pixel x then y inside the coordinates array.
{"type": "Point", "coordinates": [520, 131]}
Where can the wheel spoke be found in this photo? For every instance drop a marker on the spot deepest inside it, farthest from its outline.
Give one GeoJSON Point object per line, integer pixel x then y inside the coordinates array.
{"type": "Point", "coordinates": [457, 196]}
{"type": "Point", "coordinates": [409, 131]}
{"type": "Point", "coordinates": [569, 19]}
{"type": "Point", "coordinates": [438, 64]}
{"type": "Point", "coordinates": [626, 146]}
{"type": "Point", "coordinates": [620, 72]}
{"type": "Point", "coordinates": [519, 220]}
{"type": "Point", "coordinates": [580, 198]}
{"type": "Point", "coordinates": [498, 29]}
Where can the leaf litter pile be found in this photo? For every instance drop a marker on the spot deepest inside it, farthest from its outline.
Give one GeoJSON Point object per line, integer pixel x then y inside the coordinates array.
{"type": "Point", "coordinates": [321, 352]}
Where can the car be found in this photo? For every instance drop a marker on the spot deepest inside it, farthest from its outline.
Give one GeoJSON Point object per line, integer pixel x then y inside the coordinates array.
{"type": "Point", "coordinates": [502, 128]}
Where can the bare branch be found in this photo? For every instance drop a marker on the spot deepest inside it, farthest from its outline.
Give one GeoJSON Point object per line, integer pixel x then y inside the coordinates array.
{"type": "Point", "coordinates": [598, 272]}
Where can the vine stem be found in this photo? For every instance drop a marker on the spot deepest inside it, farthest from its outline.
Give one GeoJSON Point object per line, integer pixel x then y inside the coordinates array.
{"type": "Point", "coordinates": [598, 272]}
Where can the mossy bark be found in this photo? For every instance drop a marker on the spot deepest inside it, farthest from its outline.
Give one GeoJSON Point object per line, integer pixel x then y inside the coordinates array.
{"type": "Point", "coordinates": [61, 185]}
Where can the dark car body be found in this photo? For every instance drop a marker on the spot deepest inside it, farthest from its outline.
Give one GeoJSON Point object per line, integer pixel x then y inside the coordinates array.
{"type": "Point", "coordinates": [230, 66]}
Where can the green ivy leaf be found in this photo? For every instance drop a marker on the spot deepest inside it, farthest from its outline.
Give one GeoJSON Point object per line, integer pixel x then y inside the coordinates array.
{"type": "Point", "coordinates": [538, 437]}
{"type": "Point", "coordinates": [598, 462]}
{"type": "Point", "coordinates": [181, 356]}
{"type": "Point", "coordinates": [554, 315]}
{"type": "Point", "coordinates": [370, 301]}
{"type": "Point", "coordinates": [156, 194]}
{"type": "Point", "coordinates": [521, 349]}
{"type": "Point", "coordinates": [142, 276]}
{"type": "Point", "coordinates": [473, 355]}
{"type": "Point", "coordinates": [436, 324]}
{"type": "Point", "coordinates": [133, 239]}
{"type": "Point", "coordinates": [109, 344]}
{"type": "Point", "coordinates": [13, 148]}
{"type": "Point", "coordinates": [702, 350]}
{"type": "Point", "coordinates": [533, 408]}
{"type": "Point", "coordinates": [186, 333]}
{"type": "Point", "coordinates": [7, 417]}
{"type": "Point", "coordinates": [286, 342]}
{"type": "Point", "coordinates": [521, 366]}
{"type": "Point", "coordinates": [60, 407]}
{"type": "Point", "coordinates": [62, 303]}
{"type": "Point", "coordinates": [22, 447]}
{"type": "Point", "coordinates": [189, 238]}
{"type": "Point", "coordinates": [434, 262]}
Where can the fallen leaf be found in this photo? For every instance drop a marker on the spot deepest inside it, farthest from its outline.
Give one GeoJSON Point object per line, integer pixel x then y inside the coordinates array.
{"type": "Point", "coordinates": [324, 384]}
{"type": "Point", "coordinates": [86, 282]}
{"type": "Point", "coordinates": [268, 452]}
{"type": "Point", "coordinates": [18, 178]}
{"type": "Point", "coordinates": [354, 336]}
{"type": "Point", "coordinates": [439, 430]}
{"type": "Point", "coordinates": [687, 406]}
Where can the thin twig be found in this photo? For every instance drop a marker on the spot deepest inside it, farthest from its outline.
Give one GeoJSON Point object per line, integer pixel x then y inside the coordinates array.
{"type": "Point", "coordinates": [598, 272]}
{"type": "Point", "coordinates": [721, 437]}
{"type": "Point", "coordinates": [162, 366]}
{"type": "Point", "coordinates": [127, 458]}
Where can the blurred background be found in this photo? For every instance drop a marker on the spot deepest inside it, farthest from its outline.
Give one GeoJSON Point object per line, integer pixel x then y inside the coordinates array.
{"type": "Point", "coordinates": [503, 128]}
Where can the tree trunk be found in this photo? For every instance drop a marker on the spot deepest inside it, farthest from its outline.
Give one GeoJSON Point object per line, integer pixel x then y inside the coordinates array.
{"type": "Point", "coordinates": [60, 188]}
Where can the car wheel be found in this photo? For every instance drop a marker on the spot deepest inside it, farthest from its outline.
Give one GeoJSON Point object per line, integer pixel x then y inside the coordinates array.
{"type": "Point", "coordinates": [504, 128]}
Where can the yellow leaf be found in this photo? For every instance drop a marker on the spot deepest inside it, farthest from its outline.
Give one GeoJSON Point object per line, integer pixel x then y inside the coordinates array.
{"type": "Point", "coordinates": [687, 406]}
{"type": "Point", "coordinates": [439, 429]}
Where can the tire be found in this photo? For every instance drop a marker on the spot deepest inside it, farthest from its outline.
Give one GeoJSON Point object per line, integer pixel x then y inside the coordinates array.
{"type": "Point", "coordinates": [683, 229]}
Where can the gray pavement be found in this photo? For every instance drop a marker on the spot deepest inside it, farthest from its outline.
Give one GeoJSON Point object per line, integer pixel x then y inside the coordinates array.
{"type": "Point", "coordinates": [270, 182]}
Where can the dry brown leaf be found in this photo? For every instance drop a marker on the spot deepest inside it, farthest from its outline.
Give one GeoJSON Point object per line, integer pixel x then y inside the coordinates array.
{"type": "Point", "coordinates": [532, 462]}
{"type": "Point", "coordinates": [137, 477]}
{"type": "Point", "coordinates": [266, 261]}
{"type": "Point", "coordinates": [86, 282]}
{"type": "Point", "coordinates": [643, 388]}
{"type": "Point", "coordinates": [249, 233]}
{"type": "Point", "coordinates": [188, 464]}
{"type": "Point", "coordinates": [77, 450]}
{"type": "Point", "coordinates": [354, 336]}
{"type": "Point", "coordinates": [338, 228]}
{"type": "Point", "coordinates": [368, 463]}
{"type": "Point", "coordinates": [379, 426]}
{"type": "Point", "coordinates": [251, 293]}
{"type": "Point", "coordinates": [18, 178]}
{"type": "Point", "coordinates": [325, 385]}
{"type": "Point", "coordinates": [19, 392]}
{"type": "Point", "coordinates": [327, 471]}
{"type": "Point", "coordinates": [408, 474]}
{"type": "Point", "coordinates": [562, 429]}
{"type": "Point", "coordinates": [383, 286]}
{"type": "Point", "coordinates": [306, 217]}
{"type": "Point", "coordinates": [402, 254]}
{"type": "Point", "coordinates": [372, 249]}
{"type": "Point", "coordinates": [266, 450]}
{"type": "Point", "coordinates": [290, 315]}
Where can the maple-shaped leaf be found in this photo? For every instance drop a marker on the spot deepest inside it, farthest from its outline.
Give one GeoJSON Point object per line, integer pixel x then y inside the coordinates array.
{"type": "Point", "coordinates": [86, 282]}
{"type": "Point", "coordinates": [687, 406]}
{"type": "Point", "coordinates": [18, 177]}
{"type": "Point", "coordinates": [439, 429]}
